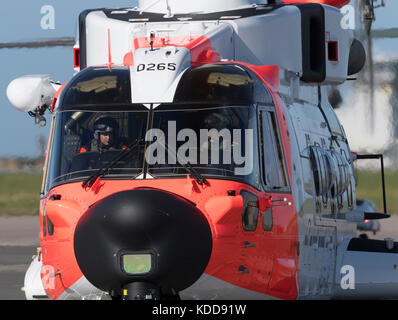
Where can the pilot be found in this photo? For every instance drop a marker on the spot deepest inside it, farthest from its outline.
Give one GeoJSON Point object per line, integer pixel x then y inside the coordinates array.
{"type": "Point", "coordinates": [105, 135]}
{"type": "Point", "coordinates": [215, 120]}
{"type": "Point", "coordinates": [218, 121]}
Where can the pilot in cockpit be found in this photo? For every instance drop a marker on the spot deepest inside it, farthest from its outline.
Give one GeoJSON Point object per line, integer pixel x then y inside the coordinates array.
{"type": "Point", "coordinates": [218, 121]}
{"type": "Point", "coordinates": [105, 135]}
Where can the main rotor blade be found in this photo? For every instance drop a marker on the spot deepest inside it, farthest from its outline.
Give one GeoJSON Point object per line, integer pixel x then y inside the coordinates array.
{"type": "Point", "coordinates": [55, 42]}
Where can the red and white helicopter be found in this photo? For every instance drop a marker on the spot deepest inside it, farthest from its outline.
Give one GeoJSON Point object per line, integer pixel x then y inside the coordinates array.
{"type": "Point", "coordinates": [169, 80]}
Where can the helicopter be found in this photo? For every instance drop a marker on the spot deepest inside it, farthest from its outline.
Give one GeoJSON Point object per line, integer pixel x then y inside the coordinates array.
{"type": "Point", "coordinates": [195, 155]}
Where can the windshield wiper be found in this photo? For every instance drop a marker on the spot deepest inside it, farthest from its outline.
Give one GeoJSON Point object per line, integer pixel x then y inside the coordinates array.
{"type": "Point", "coordinates": [105, 170]}
{"type": "Point", "coordinates": [200, 179]}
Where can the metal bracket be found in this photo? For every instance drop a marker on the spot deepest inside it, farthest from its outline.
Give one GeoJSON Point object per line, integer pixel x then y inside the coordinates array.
{"type": "Point", "coordinates": [377, 156]}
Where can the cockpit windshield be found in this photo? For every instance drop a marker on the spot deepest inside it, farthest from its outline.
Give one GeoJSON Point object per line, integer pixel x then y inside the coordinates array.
{"type": "Point", "coordinates": [217, 141]}
{"type": "Point", "coordinates": [85, 141]}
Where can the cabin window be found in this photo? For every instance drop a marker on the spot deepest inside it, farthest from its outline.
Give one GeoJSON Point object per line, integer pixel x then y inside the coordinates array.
{"type": "Point", "coordinates": [273, 161]}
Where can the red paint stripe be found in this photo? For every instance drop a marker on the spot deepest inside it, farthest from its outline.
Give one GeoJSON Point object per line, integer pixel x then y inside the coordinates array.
{"type": "Point", "coordinates": [334, 3]}
{"type": "Point", "coordinates": [109, 50]}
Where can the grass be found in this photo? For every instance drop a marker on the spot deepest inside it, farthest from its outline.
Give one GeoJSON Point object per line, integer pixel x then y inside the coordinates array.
{"type": "Point", "coordinates": [369, 187]}
{"type": "Point", "coordinates": [19, 194]}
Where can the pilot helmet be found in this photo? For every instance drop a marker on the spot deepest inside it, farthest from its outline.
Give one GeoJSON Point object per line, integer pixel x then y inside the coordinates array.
{"type": "Point", "coordinates": [105, 125]}
{"type": "Point", "coordinates": [215, 120]}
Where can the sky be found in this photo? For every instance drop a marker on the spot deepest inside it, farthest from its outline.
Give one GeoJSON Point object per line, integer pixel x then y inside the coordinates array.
{"type": "Point", "coordinates": [20, 20]}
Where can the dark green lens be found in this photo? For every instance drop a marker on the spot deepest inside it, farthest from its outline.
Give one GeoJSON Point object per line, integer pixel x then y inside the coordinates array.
{"type": "Point", "coordinates": [137, 263]}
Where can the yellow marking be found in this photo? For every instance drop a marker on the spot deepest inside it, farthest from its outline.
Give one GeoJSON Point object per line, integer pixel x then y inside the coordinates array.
{"type": "Point", "coordinates": [125, 292]}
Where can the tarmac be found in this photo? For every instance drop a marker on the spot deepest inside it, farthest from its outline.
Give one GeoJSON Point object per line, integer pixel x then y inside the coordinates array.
{"type": "Point", "coordinates": [19, 240]}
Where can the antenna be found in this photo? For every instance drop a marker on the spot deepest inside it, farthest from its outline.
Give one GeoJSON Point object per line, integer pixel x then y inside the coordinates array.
{"type": "Point", "coordinates": [368, 16]}
{"type": "Point", "coordinates": [109, 51]}
{"type": "Point", "coordinates": [152, 38]}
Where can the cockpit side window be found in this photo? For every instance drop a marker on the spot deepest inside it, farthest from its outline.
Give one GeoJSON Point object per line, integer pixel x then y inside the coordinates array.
{"type": "Point", "coordinates": [273, 161]}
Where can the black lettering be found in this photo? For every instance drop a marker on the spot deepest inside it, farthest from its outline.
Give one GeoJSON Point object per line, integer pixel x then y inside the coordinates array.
{"type": "Point", "coordinates": [140, 67]}
{"type": "Point", "coordinates": [159, 67]}
{"type": "Point", "coordinates": [172, 66]}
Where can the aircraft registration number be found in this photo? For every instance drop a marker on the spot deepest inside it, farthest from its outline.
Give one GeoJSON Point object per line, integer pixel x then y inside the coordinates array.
{"type": "Point", "coordinates": [156, 67]}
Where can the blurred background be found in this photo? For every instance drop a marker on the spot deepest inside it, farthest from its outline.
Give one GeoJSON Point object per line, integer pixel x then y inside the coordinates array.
{"type": "Point", "coordinates": [22, 143]}
{"type": "Point", "coordinates": [367, 107]}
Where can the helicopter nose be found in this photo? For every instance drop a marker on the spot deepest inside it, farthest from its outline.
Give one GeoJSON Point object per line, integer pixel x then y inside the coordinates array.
{"type": "Point", "coordinates": [143, 236]}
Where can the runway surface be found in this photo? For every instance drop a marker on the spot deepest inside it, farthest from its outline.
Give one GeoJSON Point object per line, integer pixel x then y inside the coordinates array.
{"type": "Point", "coordinates": [18, 243]}
{"type": "Point", "coordinates": [19, 240]}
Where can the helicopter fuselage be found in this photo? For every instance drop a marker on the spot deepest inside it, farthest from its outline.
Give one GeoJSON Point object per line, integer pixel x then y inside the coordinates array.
{"type": "Point", "coordinates": [228, 175]}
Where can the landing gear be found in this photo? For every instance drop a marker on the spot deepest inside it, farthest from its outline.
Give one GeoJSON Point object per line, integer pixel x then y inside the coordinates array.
{"type": "Point", "coordinates": [143, 291]}
{"type": "Point", "coordinates": [140, 291]}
